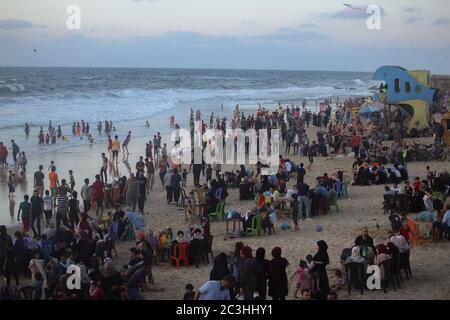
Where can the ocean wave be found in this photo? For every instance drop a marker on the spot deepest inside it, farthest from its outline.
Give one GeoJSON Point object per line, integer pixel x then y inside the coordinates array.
{"type": "Point", "coordinates": [87, 78]}
{"type": "Point", "coordinates": [11, 89]}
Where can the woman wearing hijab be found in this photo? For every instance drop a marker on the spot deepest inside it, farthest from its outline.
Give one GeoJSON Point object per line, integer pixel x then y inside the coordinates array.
{"type": "Point", "coordinates": [235, 266]}
{"type": "Point", "coordinates": [321, 260]}
{"type": "Point", "coordinates": [220, 268]}
{"type": "Point", "coordinates": [356, 256]}
{"type": "Point", "coordinates": [278, 282]}
{"type": "Point", "coordinates": [248, 273]}
{"type": "Point", "coordinates": [261, 275]}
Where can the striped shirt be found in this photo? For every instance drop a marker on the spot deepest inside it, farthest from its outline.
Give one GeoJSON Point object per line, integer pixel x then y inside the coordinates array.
{"type": "Point", "coordinates": [62, 204]}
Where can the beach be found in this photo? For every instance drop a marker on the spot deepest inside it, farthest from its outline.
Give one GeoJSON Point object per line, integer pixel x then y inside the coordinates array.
{"type": "Point", "coordinates": [364, 208]}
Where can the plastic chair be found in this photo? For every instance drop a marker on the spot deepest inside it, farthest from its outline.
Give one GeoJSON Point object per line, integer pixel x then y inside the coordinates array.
{"type": "Point", "coordinates": [438, 195]}
{"type": "Point", "coordinates": [355, 276]}
{"type": "Point", "coordinates": [388, 274]}
{"type": "Point", "coordinates": [181, 249]}
{"type": "Point", "coordinates": [396, 268]}
{"type": "Point", "coordinates": [405, 264]}
{"type": "Point", "coordinates": [334, 202]}
{"type": "Point", "coordinates": [219, 213]}
{"type": "Point", "coordinates": [256, 226]}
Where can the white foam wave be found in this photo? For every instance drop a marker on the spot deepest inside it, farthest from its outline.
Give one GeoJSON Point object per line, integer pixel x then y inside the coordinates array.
{"type": "Point", "coordinates": [11, 88]}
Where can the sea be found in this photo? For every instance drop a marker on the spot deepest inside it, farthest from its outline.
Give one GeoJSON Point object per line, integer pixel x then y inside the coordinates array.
{"type": "Point", "coordinates": [131, 96]}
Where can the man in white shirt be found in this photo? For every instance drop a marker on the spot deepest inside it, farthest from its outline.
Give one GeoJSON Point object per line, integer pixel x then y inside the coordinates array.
{"type": "Point", "coordinates": [216, 290]}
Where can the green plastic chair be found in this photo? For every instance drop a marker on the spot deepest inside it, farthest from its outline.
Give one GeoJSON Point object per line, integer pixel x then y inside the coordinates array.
{"type": "Point", "coordinates": [438, 195]}
{"type": "Point", "coordinates": [256, 226]}
{"type": "Point", "coordinates": [335, 203]}
{"type": "Point", "coordinates": [220, 212]}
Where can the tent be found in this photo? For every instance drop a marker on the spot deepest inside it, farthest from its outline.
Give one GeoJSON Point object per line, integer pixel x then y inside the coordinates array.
{"type": "Point", "coordinates": [370, 107]}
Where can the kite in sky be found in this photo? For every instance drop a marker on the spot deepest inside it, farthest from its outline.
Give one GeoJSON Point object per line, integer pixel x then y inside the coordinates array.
{"type": "Point", "coordinates": [352, 7]}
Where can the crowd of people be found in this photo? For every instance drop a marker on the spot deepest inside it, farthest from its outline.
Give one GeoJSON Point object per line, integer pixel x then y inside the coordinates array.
{"type": "Point", "coordinates": [77, 232]}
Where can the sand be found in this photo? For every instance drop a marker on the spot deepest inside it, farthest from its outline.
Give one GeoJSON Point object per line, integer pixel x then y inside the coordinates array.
{"type": "Point", "coordinates": [430, 263]}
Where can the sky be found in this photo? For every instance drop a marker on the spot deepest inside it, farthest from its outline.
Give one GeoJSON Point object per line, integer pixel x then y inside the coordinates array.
{"type": "Point", "coordinates": [230, 34]}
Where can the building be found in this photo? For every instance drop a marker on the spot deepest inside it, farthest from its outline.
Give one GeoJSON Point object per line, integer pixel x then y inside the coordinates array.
{"type": "Point", "coordinates": [408, 90]}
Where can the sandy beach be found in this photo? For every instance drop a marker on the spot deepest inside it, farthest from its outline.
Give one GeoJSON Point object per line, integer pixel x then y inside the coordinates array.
{"type": "Point", "coordinates": [364, 208]}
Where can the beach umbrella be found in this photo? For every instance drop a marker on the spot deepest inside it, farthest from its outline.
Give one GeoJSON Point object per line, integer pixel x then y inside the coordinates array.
{"type": "Point", "coordinates": [370, 107]}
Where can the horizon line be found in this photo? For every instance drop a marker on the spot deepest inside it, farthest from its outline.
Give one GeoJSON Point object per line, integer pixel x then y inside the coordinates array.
{"type": "Point", "coordinates": [187, 68]}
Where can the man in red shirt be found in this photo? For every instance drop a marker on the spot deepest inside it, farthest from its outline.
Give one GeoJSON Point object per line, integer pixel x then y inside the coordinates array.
{"type": "Point", "coordinates": [356, 143]}
{"type": "Point", "coordinates": [98, 194]}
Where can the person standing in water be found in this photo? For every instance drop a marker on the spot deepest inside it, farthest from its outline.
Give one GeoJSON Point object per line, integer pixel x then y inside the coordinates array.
{"type": "Point", "coordinates": [15, 150]}
{"type": "Point", "coordinates": [126, 142]}
{"type": "Point", "coordinates": [27, 129]}
{"type": "Point", "coordinates": [99, 127]}
{"type": "Point", "coordinates": [115, 147]}
{"type": "Point", "coordinates": [39, 181]}
{"type": "Point", "coordinates": [104, 168]}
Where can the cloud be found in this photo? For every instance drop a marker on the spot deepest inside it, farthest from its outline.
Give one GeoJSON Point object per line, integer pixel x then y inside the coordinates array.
{"type": "Point", "coordinates": [11, 24]}
{"type": "Point", "coordinates": [306, 25]}
{"type": "Point", "coordinates": [247, 22]}
{"type": "Point", "coordinates": [442, 22]}
{"type": "Point", "coordinates": [290, 35]}
{"type": "Point", "coordinates": [411, 9]}
{"type": "Point", "coordinates": [413, 19]}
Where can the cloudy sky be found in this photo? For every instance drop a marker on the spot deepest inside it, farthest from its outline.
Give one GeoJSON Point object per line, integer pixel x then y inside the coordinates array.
{"type": "Point", "coordinates": [246, 34]}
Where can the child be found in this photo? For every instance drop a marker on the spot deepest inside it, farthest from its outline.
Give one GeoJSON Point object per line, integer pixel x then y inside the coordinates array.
{"type": "Point", "coordinates": [52, 165]}
{"type": "Point", "coordinates": [430, 175]}
{"type": "Point", "coordinates": [48, 207]}
{"type": "Point", "coordinates": [11, 183]}
{"type": "Point", "coordinates": [338, 281]}
{"type": "Point", "coordinates": [24, 208]}
{"type": "Point", "coordinates": [37, 285]}
{"type": "Point", "coordinates": [71, 179]}
{"type": "Point", "coordinates": [313, 273]}
{"type": "Point", "coordinates": [190, 293]}
{"type": "Point", "coordinates": [180, 237]}
{"type": "Point", "coordinates": [184, 178]}
{"type": "Point", "coordinates": [300, 276]}
{"type": "Point", "coordinates": [208, 173]}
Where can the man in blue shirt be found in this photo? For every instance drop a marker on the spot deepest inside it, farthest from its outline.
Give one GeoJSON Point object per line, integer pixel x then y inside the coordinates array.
{"type": "Point", "coordinates": [216, 290]}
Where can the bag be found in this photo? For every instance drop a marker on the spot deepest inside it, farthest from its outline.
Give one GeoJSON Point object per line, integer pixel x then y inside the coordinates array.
{"type": "Point", "coordinates": [285, 226]}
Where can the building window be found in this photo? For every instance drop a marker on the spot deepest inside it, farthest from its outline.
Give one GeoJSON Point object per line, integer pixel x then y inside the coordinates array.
{"type": "Point", "coordinates": [397, 85]}
{"type": "Point", "coordinates": [418, 89]}
{"type": "Point", "coordinates": [407, 87]}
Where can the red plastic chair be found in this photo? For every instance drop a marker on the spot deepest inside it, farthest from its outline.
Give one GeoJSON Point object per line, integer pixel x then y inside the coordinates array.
{"type": "Point", "coordinates": [181, 249]}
